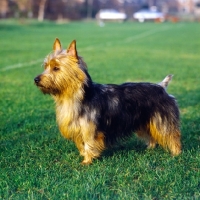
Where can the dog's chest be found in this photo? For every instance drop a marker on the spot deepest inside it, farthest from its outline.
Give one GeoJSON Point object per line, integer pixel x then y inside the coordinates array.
{"type": "Point", "coordinates": [67, 115]}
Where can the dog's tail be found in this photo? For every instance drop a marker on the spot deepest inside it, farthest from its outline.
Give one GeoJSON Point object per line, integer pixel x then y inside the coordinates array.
{"type": "Point", "coordinates": [166, 81]}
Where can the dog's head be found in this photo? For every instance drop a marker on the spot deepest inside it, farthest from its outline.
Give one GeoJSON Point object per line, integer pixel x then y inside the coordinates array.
{"type": "Point", "coordinates": [64, 71]}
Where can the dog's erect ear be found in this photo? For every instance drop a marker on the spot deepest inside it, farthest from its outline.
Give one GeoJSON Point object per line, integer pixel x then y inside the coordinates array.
{"type": "Point", "coordinates": [72, 49]}
{"type": "Point", "coordinates": [57, 45]}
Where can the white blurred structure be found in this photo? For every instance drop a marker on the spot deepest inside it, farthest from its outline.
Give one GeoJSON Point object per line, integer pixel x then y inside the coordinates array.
{"type": "Point", "coordinates": [149, 14]}
{"type": "Point", "coordinates": [110, 14]}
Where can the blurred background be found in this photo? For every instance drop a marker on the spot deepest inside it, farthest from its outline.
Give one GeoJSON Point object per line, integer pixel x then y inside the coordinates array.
{"type": "Point", "coordinates": [64, 10]}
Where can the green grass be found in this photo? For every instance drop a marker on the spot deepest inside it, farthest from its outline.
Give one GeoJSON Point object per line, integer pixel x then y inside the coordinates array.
{"type": "Point", "coordinates": [37, 163]}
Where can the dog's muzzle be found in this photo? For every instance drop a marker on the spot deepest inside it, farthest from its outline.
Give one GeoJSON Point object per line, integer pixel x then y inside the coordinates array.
{"type": "Point", "coordinates": [37, 80]}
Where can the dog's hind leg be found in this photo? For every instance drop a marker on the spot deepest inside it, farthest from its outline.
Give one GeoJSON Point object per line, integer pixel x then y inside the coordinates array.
{"type": "Point", "coordinates": [151, 143]}
{"type": "Point", "coordinates": [174, 143]}
{"type": "Point", "coordinates": [167, 137]}
{"type": "Point", "coordinates": [146, 136]}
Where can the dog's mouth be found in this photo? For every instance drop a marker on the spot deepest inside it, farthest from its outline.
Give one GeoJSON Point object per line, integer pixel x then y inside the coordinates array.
{"type": "Point", "coordinates": [43, 89]}
{"type": "Point", "coordinates": [39, 85]}
{"type": "Point", "coordinates": [46, 90]}
{"type": "Point", "coordinates": [37, 82]}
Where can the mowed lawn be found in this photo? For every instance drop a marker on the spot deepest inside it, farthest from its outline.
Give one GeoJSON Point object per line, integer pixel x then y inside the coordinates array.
{"type": "Point", "coordinates": [36, 162]}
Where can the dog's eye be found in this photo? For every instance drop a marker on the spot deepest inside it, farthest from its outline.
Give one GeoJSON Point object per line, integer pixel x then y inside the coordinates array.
{"type": "Point", "coordinates": [55, 69]}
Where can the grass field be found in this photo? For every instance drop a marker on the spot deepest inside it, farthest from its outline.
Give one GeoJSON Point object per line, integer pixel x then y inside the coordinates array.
{"type": "Point", "coordinates": [37, 163]}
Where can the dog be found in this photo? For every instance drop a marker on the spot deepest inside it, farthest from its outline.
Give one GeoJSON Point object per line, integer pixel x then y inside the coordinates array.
{"type": "Point", "coordinates": [95, 116]}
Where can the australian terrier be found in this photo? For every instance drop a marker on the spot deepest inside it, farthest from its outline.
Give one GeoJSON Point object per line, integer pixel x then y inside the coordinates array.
{"type": "Point", "coordinates": [95, 116]}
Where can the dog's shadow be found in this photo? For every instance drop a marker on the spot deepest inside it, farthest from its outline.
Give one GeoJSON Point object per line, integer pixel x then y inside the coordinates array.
{"type": "Point", "coordinates": [138, 146]}
{"type": "Point", "coordinates": [131, 144]}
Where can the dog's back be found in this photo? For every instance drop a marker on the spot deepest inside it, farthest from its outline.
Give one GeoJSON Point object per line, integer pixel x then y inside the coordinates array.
{"type": "Point", "coordinates": [130, 107]}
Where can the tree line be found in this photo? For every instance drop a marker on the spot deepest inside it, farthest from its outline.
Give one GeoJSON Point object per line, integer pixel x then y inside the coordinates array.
{"type": "Point", "coordinates": [73, 9]}
{"type": "Point", "coordinates": [76, 9]}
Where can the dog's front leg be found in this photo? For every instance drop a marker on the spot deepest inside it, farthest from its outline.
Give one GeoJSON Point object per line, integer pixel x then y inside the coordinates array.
{"type": "Point", "coordinates": [93, 147]}
{"type": "Point", "coordinates": [80, 145]}
{"type": "Point", "coordinates": [93, 141]}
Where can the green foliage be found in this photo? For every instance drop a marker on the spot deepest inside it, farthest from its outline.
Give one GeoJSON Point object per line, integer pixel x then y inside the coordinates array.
{"type": "Point", "coordinates": [37, 163]}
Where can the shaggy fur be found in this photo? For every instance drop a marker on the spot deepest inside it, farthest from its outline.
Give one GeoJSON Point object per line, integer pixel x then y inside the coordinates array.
{"type": "Point", "coordinates": [95, 116]}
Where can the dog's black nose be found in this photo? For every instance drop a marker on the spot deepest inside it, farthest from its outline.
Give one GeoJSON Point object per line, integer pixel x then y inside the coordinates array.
{"type": "Point", "coordinates": [37, 79]}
